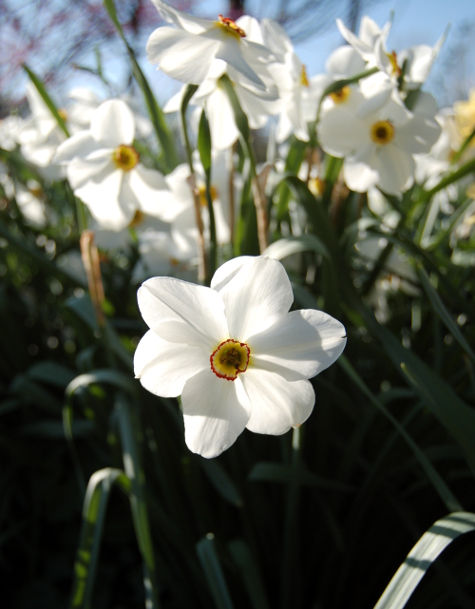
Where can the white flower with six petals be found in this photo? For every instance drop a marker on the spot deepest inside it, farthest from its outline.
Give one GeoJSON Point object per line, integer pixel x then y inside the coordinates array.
{"type": "Point", "coordinates": [233, 351]}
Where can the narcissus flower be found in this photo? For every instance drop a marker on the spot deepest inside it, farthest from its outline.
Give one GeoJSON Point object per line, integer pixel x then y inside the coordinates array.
{"type": "Point", "coordinates": [104, 168]}
{"type": "Point", "coordinates": [190, 50]}
{"type": "Point", "coordinates": [233, 351]}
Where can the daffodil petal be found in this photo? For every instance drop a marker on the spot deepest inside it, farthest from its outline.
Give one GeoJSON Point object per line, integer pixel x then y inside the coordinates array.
{"type": "Point", "coordinates": [359, 171]}
{"type": "Point", "coordinates": [215, 412]}
{"type": "Point", "coordinates": [163, 367]}
{"type": "Point", "coordinates": [102, 196]}
{"type": "Point", "coordinates": [79, 145]}
{"type": "Point", "coordinates": [395, 167]}
{"type": "Point", "coordinates": [299, 345]}
{"type": "Point", "coordinates": [113, 124]}
{"type": "Point", "coordinates": [277, 404]}
{"type": "Point", "coordinates": [180, 54]}
{"type": "Point", "coordinates": [256, 297]}
{"type": "Point", "coordinates": [179, 311]}
{"type": "Point", "coordinates": [82, 170]}
{"type": "Point", "coordinates": [150, 189]}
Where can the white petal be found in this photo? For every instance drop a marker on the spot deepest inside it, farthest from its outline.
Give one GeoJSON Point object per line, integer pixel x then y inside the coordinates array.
{"type": "Point", "coordinates": [215, 413]}
{"type": "Point", "coordinates": [277, 404]}
{"type": "Point", "coordinates": [164, 368]}
{"type": "Point", "coordinates": [150, 188]}
{"type": "Point", "coordinates": [102, 196]}
{"type": "Point", "coordinates": [230, 51]}
{"type": "Point", "coordinates": [256, 297]}
{"type": "Point", "coordinates": [359, 170]}
{"type": "Point", "coordinates": [221, 120]}
{"type": "Point", "coordinates": [227, 271]}
{"type": "Point", "coordinates": [299, 345]}
{"type": "Point", "coordinates": [344, 63]}
{"type": "Point", "coordinates": [113, 124]}
{"type": "Point", "coordinates": [395, 167]}
{"type": "Point", "coordinates": [81, 170]}
{"type": "Point", "coordinates": [79, 145]}
{"type": "Point", "coordinates": [179, 311]}
{"type": "Point", "coordinates": [181, 55]}
{"type": "Point", "coordinates": [340, 132]}
{"type": "Point", "coordinates": [183, 20]}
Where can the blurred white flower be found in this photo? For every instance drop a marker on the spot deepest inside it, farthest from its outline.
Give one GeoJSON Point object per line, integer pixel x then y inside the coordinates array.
{"type": "Point", "coordinates": [298, 97]}
{"type": "Point", "coordinates": [40, 136]}
{"type": "Point", "coordinates": [378, 138]}
{"type": "Point", "coordinates": [29, 199]}
{"type": "Point", "coordinates": [180, 206]}
{"type": "Point", "coordinates": [10, 127]}
{"type": "Point", "coordinates": [104, 169]}
{"type": "Point", "coordinates": [189, 51]}
{"type": "Point", "coordinates": [233, 352]}
{"type": "Point", "coordinates": [258, 103]}
{"type": "Point", "coordinates": [412, 64]}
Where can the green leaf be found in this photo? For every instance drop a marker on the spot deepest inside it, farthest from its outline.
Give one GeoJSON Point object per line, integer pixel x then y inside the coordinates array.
{"type": "Point", "coordinates": [221, 481]}
{"type": "Point", "coordinates": [442, 312]}
{"type": "Point", "coordinates": [438, 483]}
{"type": "Point", "coordinates": [434, 541]}
{"type": "Point", "coordinates": [131, 438]}
{"type": "Point", "coordinates": [204, 148]}
{"type": "Point", "coordinates": [250, 574]}
{"type": "Point", "coordinates": [451, 411]}
{"type": "Point", "coordinates": [293, 245]}
{"type": "Point", "coordinates": [52, 373]}
{"type": "Point", "coordinates": [94, 511]}
{"type": "Point", "coordinates": [169, 157]}
{"type": "Point", "coordinates": [285, 474]}
{"type": "Point", "coordinates": [47, 99]}
{"type": "Point", "coordinates": [209, 560]}
{"type": "Point", "coordinates": [107, 376]}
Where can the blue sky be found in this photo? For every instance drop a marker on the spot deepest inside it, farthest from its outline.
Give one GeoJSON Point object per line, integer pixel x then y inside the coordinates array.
{"type": "Point", "coordinates": [415, 22]}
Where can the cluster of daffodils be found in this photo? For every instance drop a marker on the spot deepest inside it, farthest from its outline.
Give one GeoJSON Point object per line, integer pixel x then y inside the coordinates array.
{"type": "Point", "coordinates": [233, 351]}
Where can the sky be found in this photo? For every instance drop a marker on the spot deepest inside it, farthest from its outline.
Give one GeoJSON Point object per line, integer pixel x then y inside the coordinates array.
{"type": "Point", "coordinates": [414, 22]}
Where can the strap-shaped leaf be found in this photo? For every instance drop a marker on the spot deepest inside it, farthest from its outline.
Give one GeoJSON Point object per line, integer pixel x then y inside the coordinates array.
{"type": "Point", "coordinates": [423, 554]}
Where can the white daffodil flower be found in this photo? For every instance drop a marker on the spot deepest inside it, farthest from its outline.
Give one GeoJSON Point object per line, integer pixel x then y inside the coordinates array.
{"type": "Point", "coordinates": [190, 50]}
{"type": "Point", "coordinates": [179, 209]}
{"type": "Point", "coordinates": [378, 138]}
{"type": "Point", "coordinates": [414, 64]}
{"type": "Point", "coordinates": [257, 103]}
{"type": "Point", "coordinates": [233, 351]}
{"type": "Point", "coordinates": [104, 169]}
{"type": "Point", "coordinates": [298, 98]}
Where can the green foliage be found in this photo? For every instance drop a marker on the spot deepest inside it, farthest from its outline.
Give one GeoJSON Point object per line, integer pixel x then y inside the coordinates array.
{"type": "Point", "coordinates": [102, 504]}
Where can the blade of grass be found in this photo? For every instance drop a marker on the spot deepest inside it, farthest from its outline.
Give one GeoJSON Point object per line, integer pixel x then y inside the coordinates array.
{"type": "Point", "coordinates": [442, 489]}
{"type": "Point", "coordinates": [423, 554]}
{"type": "Point", "coordinates": [94, 511]}
{"type": "Point", "coordinates": [209, 560]}
{"type": "Point", "coordinates": [47, 99]}
{"type": "Point", "coordinates": [169, 157]}
{"type": "Point", "coordinates": [442, 312]}
{"type": "Point", "coordinates": [131, 437]}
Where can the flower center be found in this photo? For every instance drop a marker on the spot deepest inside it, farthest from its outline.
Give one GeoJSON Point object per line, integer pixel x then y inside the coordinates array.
{"type": "Point", "coordinates": [229, 359]}
{"type": "Point", "coordinates": [125, 157]}
{"type": "Point", "coordinates": [382, 132]}
{"type": "Point", "coordinates": [303, 77]}
{"type": "Point", "coordinates": [138, 218]}
{"type": "Point", "coordinates": [202, 195]}
{"type": "Point", "coordinates": [230, 27]}
{"type": "Point", "coordinates": [341, 95]}
{"type": "Point", "coordinates": [396, 70]}
{"type": "Point", "coordinates": [63, 114]}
